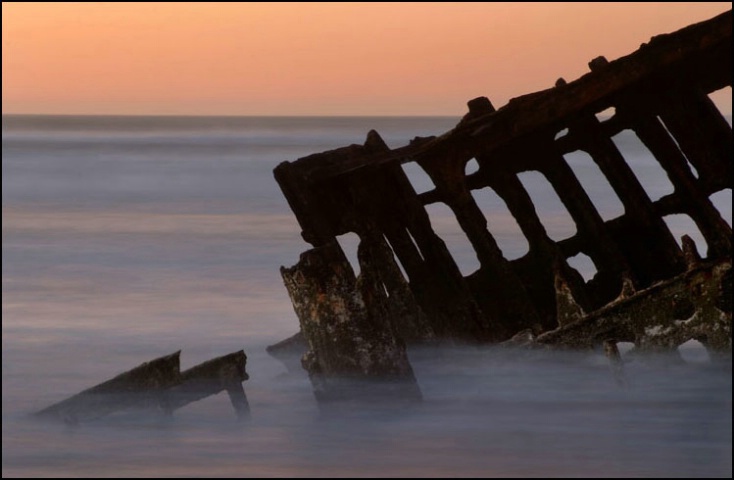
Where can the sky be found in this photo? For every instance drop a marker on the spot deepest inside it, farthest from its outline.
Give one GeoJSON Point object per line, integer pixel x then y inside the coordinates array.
{"type": "Point", "coordinates": [311, 58]}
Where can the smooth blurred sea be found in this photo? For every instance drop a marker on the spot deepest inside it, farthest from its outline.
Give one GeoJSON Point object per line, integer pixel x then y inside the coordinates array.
{"type": "Point", "coordinates": [128, 238]}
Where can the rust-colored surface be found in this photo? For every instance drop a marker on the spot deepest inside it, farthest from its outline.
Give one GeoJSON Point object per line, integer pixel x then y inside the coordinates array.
{"type": "Point", "coordinates": [658, 92]}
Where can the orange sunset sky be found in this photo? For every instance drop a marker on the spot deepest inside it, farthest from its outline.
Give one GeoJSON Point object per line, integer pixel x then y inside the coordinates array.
{"type": "Point", "coordinates": [311, 58]}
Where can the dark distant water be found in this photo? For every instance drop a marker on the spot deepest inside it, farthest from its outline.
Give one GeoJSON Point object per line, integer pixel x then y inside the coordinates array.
{"type": "Point", "coordinates": [128, 238]}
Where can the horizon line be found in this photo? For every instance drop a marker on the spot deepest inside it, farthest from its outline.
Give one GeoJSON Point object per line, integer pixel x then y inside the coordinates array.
{"type": "Point", "coordinates": [8, 114]}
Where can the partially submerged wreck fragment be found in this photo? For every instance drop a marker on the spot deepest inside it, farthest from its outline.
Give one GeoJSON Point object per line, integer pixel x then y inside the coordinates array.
{"type": "Point", "coordinates": [224, 373]}
{"type": "Point", "coordinates": [158, 385]}
{"type": "Point", "coordinates": [142, 386]}
{"type": "Point", "coordinates": [348, 329]}
{"type": "Point", "coordinates": [660, 93]}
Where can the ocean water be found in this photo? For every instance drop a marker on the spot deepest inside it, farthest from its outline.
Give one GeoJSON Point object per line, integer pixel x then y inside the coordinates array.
{"type": "Point", "coordinates": [128, 238]}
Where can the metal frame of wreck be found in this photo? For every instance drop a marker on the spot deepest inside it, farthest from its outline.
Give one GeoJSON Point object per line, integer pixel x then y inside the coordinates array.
{"type": "Point", "coordinates": [160, 386]}
{"type": "Point", "coordinates": [646, 290]}
{"type": "Point", "coordinates": [658, 92]}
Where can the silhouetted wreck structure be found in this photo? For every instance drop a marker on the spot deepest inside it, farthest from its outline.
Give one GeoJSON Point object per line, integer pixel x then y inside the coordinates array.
{"type": "Point", "coordinates": [158, 385]}
{"type": "Point", "coordinates": [647, 289]}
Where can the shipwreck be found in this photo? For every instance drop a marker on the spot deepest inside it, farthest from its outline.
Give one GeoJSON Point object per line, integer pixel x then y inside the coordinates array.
{"type": "Point", "coordinates": [648, 288]}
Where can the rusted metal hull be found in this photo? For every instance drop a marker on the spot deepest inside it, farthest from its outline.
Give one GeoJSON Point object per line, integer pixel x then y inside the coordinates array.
{"type": "Point", "coordinates": [659, 93]}
{"type": "Point", "coordinates": [693, 306]}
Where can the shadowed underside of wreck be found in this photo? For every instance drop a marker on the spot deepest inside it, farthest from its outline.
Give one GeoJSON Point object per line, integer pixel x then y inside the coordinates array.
{"type": "Point", "coordinates": [356, 325]}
